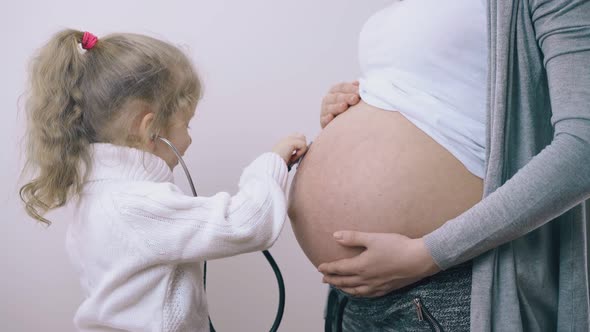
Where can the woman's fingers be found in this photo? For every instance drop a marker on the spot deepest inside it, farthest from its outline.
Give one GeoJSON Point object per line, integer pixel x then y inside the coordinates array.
{"type": "Point", "coordinates": [333, 109]}
{"type": "Point", "coordinates": [353, 238]}
{"type": "Point", "coordinates": [345, 87]}
{"type": "Point", "coordinates": [343, 281]}
{"type": "Point", "coordinates": [353, 100]}
{"type": "Point", "coordinates": [337, 109]}
{"type": "Point", "coordinates": [343, 267]}
{"type": "Point", "coordinates": [363, 291]}
{"type": "Point", "coordinates": [340, 98]}
{"type": "Point", "coordinates": [324, 120]}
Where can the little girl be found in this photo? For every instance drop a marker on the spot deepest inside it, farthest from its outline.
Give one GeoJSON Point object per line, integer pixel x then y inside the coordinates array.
{"type": "Point", "coordinates": [137, 242]}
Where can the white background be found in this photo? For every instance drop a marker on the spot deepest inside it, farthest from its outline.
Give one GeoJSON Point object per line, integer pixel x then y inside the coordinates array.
{"type": "Point", "coordinates": [266, 65]}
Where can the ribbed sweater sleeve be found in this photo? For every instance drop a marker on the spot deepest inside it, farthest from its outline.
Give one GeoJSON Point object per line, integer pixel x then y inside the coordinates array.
{"type": "Point", "coordinates": [173, 227]}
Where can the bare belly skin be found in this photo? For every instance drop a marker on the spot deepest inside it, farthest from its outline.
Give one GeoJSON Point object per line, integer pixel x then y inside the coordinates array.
{"type": "Point", "coordinates": [372, 170]}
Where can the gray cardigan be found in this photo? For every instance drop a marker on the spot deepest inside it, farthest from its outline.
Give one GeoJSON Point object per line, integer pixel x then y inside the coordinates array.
{"type": "Point", "coordinates": [530, 233]}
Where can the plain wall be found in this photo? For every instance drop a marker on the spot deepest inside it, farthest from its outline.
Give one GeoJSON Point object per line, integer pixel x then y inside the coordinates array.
{"type": "Point", "coordinates": [266, 65]}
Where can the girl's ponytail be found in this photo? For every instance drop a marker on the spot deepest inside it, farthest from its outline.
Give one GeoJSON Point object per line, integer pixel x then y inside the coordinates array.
{"type": "Point", "coordinates": [57, 140]}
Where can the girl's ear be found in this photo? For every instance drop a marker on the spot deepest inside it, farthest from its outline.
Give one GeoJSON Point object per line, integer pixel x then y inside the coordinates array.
{"type": "Point", "coordinates": [148, 138]}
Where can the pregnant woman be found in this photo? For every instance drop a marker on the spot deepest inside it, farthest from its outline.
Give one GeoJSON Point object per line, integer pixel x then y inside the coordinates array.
{"type": "Point", "coordinates": [410, 155]}
{"type": "Point", "coordinates": [408, 164]}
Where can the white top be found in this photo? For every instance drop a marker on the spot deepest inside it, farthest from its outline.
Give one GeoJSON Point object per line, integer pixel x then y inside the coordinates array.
{"type": "Point", "coordinates": [427, 59]}
{"type": "Point", "coordinates": [137, 241]}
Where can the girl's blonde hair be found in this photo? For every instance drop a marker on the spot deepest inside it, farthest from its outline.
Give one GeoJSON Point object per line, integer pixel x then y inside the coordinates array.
{"type": "Point", "coordinates": [78, 97]}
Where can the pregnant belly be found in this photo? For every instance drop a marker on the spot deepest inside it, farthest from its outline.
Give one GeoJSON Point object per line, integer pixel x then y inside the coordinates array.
{"type": "Point", "coordinates": [372, 170]}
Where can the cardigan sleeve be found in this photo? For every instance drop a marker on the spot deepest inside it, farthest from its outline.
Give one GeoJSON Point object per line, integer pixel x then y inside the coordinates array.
{"type": "Point", "coordinates": [169, 226]}
{"type": "Point", "coordinates": [556, 179]}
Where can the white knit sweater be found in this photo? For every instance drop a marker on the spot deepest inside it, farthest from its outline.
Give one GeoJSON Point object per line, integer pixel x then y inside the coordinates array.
{"type": "Point", "coordinates": [138, 242]}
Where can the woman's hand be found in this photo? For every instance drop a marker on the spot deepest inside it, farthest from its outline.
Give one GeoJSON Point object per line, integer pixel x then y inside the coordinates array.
{"type": "Point", "coordinates": [390, 261]}
{"type": "Point", "coordinates": [291, 148]}
{"type": "Point", "coordinates": [339, 99]}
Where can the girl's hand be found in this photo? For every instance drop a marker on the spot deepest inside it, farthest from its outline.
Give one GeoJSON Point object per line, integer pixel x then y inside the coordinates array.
{"type": "Point", "coordinates": [291, 148]}
{"type": "Point", "coordinates": [390, 261]}
{"type": "Point", "coordinates": [338, 100]}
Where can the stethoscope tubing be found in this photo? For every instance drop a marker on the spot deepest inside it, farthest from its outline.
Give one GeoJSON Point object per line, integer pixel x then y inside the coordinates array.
{"type": "Point", "coordinates": [266, 253]}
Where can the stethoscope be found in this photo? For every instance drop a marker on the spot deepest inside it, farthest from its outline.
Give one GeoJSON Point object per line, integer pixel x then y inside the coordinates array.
{"type": "Point", "coordinates": [269, 258]}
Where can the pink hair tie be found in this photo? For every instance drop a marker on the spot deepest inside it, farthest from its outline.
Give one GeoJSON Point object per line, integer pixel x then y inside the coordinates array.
{"type": "Point", "coordinates": [88, 40]}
